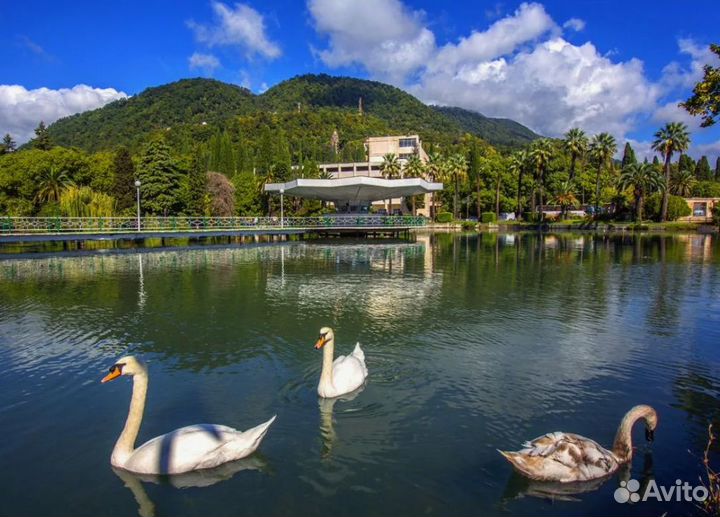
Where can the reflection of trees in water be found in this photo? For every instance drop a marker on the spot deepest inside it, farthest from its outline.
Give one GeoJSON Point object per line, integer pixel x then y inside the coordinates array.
{"type": "Point", "coordinates": [697, 392]}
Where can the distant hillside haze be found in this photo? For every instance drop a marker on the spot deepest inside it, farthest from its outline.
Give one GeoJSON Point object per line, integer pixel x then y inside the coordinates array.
{"type": "Point", "coordinates": [214, 103]}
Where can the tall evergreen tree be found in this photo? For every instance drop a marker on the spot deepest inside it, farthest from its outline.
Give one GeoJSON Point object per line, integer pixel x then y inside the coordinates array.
{"type": "Point", "coordinates": [717, 169]}
{"type": "Point", "coordinates": [686, 163]}
{"type": "Point", "coordinates": [196, 184]}
{"type": "Point", "coordinates": [628, 156]}
{"type": "Point", "coordinates": [702, 169]}
{"type": "Point", "coordinates": [42, 138]}
{"type": "Point", "coordinates": [160, 178]}
{"type": "Point", "coordinates": [124, 177]}
{"type": "Point", "coordinates": [8, 144]}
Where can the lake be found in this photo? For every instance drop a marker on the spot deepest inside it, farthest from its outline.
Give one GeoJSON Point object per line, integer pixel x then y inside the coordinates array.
{"type": "Point", "coordinates": [473, 342]}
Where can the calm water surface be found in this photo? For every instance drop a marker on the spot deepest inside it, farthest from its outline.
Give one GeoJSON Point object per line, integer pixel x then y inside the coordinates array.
{"type": "Point", "coordinates": [474, 343]}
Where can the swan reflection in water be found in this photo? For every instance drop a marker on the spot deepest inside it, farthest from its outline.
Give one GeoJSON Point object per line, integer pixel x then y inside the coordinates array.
{"type": "Point", "coordinates": [327, 426]}
{"type": "Point", "coordinates": [193, 479]}
{"type": "Point", "coordinates": [519, 486]}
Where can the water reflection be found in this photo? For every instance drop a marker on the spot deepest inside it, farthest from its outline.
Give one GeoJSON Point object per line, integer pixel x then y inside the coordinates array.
{"type": "Point", "coordinates": [195, 479]}
{"type": "Point", "coordinates": [327, 422]}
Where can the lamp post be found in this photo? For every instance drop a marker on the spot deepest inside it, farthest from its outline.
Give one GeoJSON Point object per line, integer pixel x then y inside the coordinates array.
{"type": "Point", "coordinates": [137, 188]}
{"type": "Point", "coordinates": [282, 211]}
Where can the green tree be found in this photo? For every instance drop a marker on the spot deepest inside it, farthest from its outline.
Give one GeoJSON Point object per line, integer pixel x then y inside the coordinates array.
{"type": "Point", "coordinates": [414, 168]}
{"type": "Point", "coordinates": [8, 144]}
{"type": "Point", "coordinates": [457, 168]}
{"type": "Point", "coordinates": [685, 163]}
{"type": "Point", "coordinates": [602, 149]}
{"type": "Point", "coordinates": [247, 196]}
{"type": "Point", "coordinates": [52, 183]}
{"type": "Point", "coordinates": [541, 153]}
{"type": "Point", "coordinates": [390, 169]}
{"type": "Point", "coordinates": [702, 169]}
{"type": "Point", "coordinates": [42, 138]}
{"type": "Point", "coordinates": [123, 189]}
{"type": "Point", "coordinates": [682, 183]}
{"type": "Point", "coordinates": [717, 169]}
{"type": "Point", "coordinates": [705, 101]}
{"type": "Point", "coordinates": [518, 165]}
{"type": "Point", "coordinates": [642, 178]}
{"type": "Point", "coordinates": [576, 143]}
{"type": "Point", "coordinates": [671, 138]}
{"type": "Point", "coordinates": [435, 168]}
{"type": "Point", "coordinates": [628, 156]}
{"type": "Point", "coordinates": [196, 185]}
{"type": "Point", "coordinates": [160, 178]}
{"type": "Point", "coordinates": [565, 197]}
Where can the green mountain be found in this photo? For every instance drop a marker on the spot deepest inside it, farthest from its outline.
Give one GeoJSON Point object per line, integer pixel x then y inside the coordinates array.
{"type": "Point", "coordinates": [498, 131]}
{"type": "Point", "coordinates": [190, 102]}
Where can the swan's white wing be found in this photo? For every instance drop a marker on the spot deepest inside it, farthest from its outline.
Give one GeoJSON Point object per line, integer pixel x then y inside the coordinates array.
{"type": "Point", "coordinates": [195, 447]}
{"type": "Point", "coordinates": [349, 373]}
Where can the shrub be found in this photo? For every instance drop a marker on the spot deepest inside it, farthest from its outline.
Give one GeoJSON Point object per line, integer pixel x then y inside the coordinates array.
{"type": "Point", "coordinates": [531, 217]}
{"type": "Point", "coordinates": [468, 225]}
{"type": "Point", "coordinates": [716, 216]}
{"type": "Point", "coordinates": [488, 217]}
{"type": "Point", "coordinates": [677, 207]}
{"type": "Point", "coordinates": [444, 217]}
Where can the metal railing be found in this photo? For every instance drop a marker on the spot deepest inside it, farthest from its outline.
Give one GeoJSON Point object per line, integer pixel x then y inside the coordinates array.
{"type": "Point", "coordinates": [53, 225]}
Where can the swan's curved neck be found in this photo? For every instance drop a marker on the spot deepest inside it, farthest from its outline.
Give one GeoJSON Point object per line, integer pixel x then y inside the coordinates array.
{"type": "Point", "coordinates": [622, 446]}
{"type": "Point", "coordinates": [326, 377]}
{"type": "Point", "coordinates": [125, 444]}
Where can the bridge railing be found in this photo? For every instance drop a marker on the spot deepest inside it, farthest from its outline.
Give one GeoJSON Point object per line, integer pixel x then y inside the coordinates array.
{"type": "Point", "coordinates": [40, 225]}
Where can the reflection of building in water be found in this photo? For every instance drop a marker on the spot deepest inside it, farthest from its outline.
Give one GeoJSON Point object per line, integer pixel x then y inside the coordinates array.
{"type": "Point", "coordinates": [698, 247]}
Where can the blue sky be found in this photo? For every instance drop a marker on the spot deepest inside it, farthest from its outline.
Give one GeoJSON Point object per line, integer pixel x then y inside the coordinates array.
{"type": "Point", "coordinates": [600, 65]}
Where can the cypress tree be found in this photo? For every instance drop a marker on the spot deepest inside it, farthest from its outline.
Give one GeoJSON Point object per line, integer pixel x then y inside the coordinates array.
{"type": "Point", "coordinates": [196, 186]}
{"type": "Point", "coordinates": [628, 155]}
{"type": "Point", "coordinates": [226, 158]}
{"type": "Point", "coordinates": [123, 188]}
{"type": "Point", "coordinates": [702, 169]}
{"type": "Point", "coordinates": [717, 169]}
{"type": "Point", "coordinates": [160, 179]}
{"type": "Point", "coordinates": [685, 163]}
{"type": "Point", "coordinates": [42, 138]}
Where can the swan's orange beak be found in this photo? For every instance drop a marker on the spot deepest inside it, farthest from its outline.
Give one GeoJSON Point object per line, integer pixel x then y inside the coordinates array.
{"type": "Point", "coordinates": [320, 342]}
{"type": "Point", "coordinates": [115, 372]}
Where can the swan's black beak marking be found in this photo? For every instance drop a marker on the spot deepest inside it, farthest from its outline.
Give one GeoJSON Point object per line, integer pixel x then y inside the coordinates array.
{"type": "Point", "coordinates": [649, 435]}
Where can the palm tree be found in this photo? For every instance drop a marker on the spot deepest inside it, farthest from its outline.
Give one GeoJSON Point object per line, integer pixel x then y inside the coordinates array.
{"type": "Point", "coordinates": [457, 170]}
{"type": "Point", "coordinates": [540, 155]}
{"type": "Point", "coordinates": [682, 183]}
{"type": "Point", "coordinates": [390, 169]}
{"type": "Point", "coordinates": [435, 171]}
{"type": "Point", "coordinates": [565, 197]}
{"type": "Point", "coordinates": [602, 149]}
{"type": "Point", "coordinates": [576, 143]}
{"type": "Point", "coordinates": [518, 162]}
{"type": "Point", "coordinates": [642, 178]}
{"type": "Point", "coordinates": [52, 183]}
{"type": "Point", "coordinates": [674, 137]}
{"type": "Point", "coordinates": [414, 168]}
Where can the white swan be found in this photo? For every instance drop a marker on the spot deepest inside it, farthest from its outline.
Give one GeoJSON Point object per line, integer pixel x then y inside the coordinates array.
{"type": "Point", "coordinates": [569, 458]}
{"type": "Point", "coordinates": [343, 375]}
{"type": "Point", "coordinates": [194, 447]}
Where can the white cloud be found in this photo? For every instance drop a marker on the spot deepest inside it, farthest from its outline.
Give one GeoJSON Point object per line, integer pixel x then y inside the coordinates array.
{"type": "Point", "coordinates": [382, 35]}
{"type": "Point", "coordinates": [205, 62]}
{"type": "Point", "coordinates": [21, 110]}
{"type": "Point", "coordinates": [503, 37]}
{"type": "Point", "coordinates": [241, 26]}
{"type": "Point", "coordinates": [575, 24]}
{"type": "Point", "coordinates": [519, 66]}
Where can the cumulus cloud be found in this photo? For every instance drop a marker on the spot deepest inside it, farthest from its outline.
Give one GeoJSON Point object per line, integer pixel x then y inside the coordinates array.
{"type": "Point", "coordinates": [239, 26]}
{"type": "Point", "coordinates": [205, 62]}
{"type": "Point", "coordinates": [21, 109]}
{"type": "Point", "coordinates": [575, 24]}
{"type": "Point", "coordinates": [519, 66]}
{"type": "Point", "coordinates": [382, 35]}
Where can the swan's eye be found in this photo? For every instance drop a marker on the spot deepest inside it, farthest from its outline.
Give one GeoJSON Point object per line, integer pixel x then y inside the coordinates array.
{"type": "Point", "coordinates": [117, 367]}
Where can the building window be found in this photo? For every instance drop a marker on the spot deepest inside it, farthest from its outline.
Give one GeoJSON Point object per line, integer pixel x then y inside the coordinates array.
{"type": "Point", "coordinates": [699, 209]}
{"type": "Point", "coordinates": [405, 156]}
{"type": "Point", "coordinates": [408, 142]}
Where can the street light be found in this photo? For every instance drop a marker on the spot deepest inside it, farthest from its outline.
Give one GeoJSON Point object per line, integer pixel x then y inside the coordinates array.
{"type": "Point", "coordinates": [137, 188]}
{"type": "Point", "coordinates": [282, 217]}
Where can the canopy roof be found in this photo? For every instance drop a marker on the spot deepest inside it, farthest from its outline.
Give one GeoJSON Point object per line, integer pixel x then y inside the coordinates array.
{"type": "Point", "coordinates": [358, 188]}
